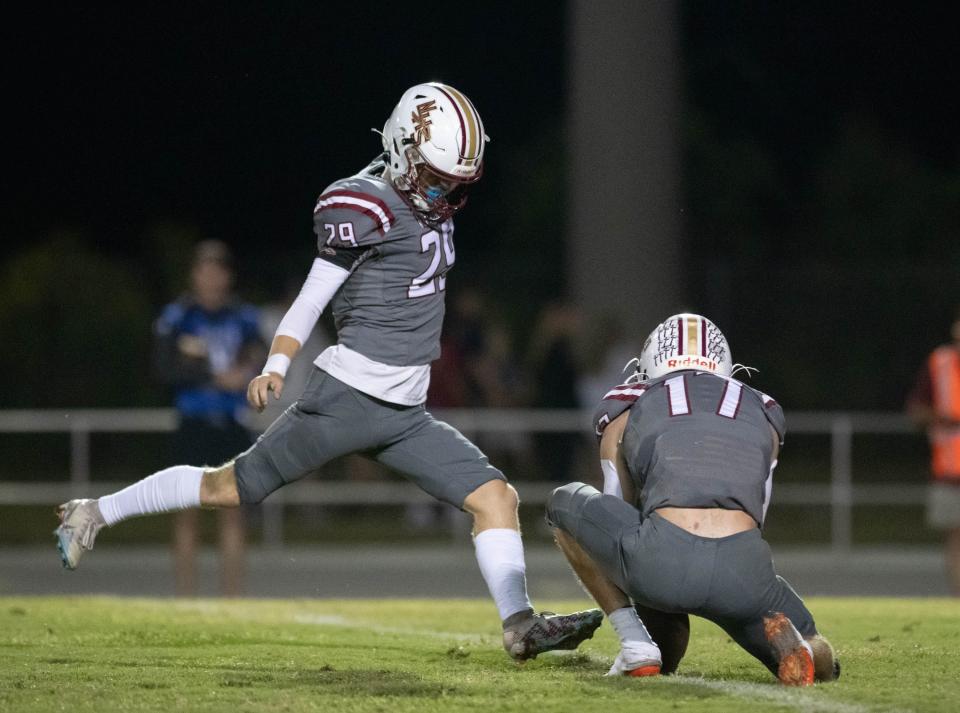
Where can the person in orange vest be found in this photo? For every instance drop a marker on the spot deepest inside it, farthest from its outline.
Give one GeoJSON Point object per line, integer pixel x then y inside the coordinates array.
{"type": "Point", "coordinates": [934, 403]}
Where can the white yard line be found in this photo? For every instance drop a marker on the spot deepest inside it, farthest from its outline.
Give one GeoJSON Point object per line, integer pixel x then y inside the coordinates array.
{"type": "Point", "coordinates": [214, 607]}
{"type": "Point", "coordinates": [796, 698]}
{"type": "Point", "coordinates": [336, 620]}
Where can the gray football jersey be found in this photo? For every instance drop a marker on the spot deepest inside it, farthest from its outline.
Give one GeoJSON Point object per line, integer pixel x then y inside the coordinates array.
{"type": "Point", "coordinates": [696, 440]}
{"type": "Point", "coordinates": [391, 307]}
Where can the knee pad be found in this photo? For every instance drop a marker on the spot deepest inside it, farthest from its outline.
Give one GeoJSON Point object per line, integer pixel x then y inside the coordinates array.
{"type": "Point", "coordinates": [559, 501]}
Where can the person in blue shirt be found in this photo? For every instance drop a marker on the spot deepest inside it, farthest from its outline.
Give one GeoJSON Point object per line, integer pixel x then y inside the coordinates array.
{"type": "Point", "coordinates": [207, 348]}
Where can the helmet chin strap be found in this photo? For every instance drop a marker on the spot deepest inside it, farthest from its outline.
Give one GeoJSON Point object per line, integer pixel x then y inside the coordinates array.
{"type": "Point", "coordinates": [743, 367]}
{"type": "Point", "coordinates": [637, 376]}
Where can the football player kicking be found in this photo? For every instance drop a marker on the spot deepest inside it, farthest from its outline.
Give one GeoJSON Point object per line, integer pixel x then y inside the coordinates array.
{"type": "Point", "coordinates": [688, 453]}
{"type": "Point", "coordinates": [385, 243]}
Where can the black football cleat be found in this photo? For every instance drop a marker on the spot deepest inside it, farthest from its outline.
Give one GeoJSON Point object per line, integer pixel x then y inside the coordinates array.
{"type": "Point", "coordinates": [533, 634]}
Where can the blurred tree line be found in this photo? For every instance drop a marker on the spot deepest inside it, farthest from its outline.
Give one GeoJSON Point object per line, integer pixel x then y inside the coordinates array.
{"type": "Point", "coordinates": [838, 287]}
{"type": "Point", "coordinates": [822, 191]}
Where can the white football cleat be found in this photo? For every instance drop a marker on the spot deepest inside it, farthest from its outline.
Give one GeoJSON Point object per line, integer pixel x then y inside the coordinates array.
{"type": "Point", "coordinates": [80, 521]}
{"type": "Point", "coordinates": [637, 658]}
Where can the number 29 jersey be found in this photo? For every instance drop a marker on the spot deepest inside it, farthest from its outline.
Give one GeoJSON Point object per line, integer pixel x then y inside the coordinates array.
{"type": "Point", "coordinates": [389, 312]}
{"type": "Point", "coordinates": [697, 440]}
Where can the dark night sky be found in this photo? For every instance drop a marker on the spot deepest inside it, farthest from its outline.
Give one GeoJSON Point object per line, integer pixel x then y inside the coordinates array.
{"type": "Point", "coordinates": [750, 62]}
{"type": "Point", "coordinates": [232, 118]}
{"type": "Point", "coordinates": [235, 120]}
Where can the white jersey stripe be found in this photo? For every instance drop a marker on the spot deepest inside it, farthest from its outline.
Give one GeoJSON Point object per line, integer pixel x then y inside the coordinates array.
{"type": "Point", "coordinates": [679, 404]}
{"type": "Point", "coordinates": [360, 203]}
{"type": "Point", "coordinates": [731, 400]}
{"type": "Point", "coordinates": [625, 392]}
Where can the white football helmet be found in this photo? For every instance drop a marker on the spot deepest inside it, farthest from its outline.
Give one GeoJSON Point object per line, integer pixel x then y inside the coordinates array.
{"type": "Point", "coordinates": [685, 341]}
{"type": "Point", "coordinates": [434, 140]}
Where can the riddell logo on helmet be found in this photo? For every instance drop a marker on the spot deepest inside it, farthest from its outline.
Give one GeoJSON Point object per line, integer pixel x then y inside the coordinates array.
{"type": "Point", "coordinates": [692, 362]}
{"type": "Point", "coordinates": [421, 121]}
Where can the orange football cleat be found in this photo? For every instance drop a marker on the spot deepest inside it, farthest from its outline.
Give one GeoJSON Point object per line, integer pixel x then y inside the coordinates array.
{"type": "Point", "coordinates": [796, 661]}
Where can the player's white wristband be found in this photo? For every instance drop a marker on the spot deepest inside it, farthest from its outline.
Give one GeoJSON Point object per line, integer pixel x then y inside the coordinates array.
{"type": "Point", "coordinates": [278, 363]}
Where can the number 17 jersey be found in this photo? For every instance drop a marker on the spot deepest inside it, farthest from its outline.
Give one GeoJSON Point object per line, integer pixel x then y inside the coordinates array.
{"type": "Point", "coordinates": [389, 312]}
{"type": "Point", "coordinates": [697, 440]}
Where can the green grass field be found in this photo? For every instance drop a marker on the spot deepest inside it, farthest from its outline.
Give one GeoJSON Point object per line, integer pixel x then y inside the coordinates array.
{"type": "Point", "coordinates": [100, 654]}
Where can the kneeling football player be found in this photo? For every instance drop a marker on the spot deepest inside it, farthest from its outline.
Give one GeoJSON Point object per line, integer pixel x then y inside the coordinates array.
{"type": "Point", "coordinates": [688, 454]}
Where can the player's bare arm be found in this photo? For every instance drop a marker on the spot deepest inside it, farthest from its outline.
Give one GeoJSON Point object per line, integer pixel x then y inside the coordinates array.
{"type": "Point", "coordinates": [612, 462]}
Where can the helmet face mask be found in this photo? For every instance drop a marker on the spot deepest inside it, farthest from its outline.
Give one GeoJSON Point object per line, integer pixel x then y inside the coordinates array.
{"type": "Point", "coordinates": [436, 197]}
{"type": "Point", "coordinates": [685, 341]}
{"type": "Point", "coordinates": [434, 141]}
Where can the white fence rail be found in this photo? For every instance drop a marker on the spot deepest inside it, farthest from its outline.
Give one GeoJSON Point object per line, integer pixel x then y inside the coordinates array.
{"type": "Point", "coordinates": [840, 494]}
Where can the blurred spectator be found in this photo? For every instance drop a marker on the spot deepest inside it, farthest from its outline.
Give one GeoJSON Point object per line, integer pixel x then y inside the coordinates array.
{"type": "Point", "coordinates": [208, 347]}
{"type": "Point", "coordinates": [448, 376]}
{"type": "Point", "coordinates": [477, 365]}
{"type": "Point", "coordinates": [934, 403]}
{"type": "Point", "coordinates": [607, 353]}
{"type": "Point", "coordinates": [495, 371]}
{"type": "Point", "coordinates": [477, 368]}
{"type": "Point", "coordinates": [452, 386]}
{"type": "Point", "coordinates": [469, 325]}
{"type": "Point", "coordinates": [499, 382]}
{"type": "Point", "coordinates": [275, 515]}
{"type": "Point", "coordinates": [452, 379]}
{"type": "Point", "coordinates": [551, 359]}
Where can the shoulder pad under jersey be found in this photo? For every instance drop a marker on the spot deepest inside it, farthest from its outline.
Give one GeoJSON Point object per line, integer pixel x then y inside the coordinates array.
{"type": "Point", "coordinates": [774, 413]}
{"type": "Point", "coordinates": [355, 212]}
{"type": "Point", "coordinates": [615, 402]}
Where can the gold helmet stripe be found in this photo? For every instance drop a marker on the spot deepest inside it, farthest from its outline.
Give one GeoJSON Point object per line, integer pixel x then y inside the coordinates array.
{"type": "Point", "coordinates": [693, 333]}
{"type": "Point", "coordinates": [473, 119]}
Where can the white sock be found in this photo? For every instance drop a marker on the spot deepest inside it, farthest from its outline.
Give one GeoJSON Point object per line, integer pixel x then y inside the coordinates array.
{"type": "Point", "coordinates": [500, 556]}
{"type": "Point", "coordinates": [628, 626]}
{"type": "Point", "coordinates": [176, 488]}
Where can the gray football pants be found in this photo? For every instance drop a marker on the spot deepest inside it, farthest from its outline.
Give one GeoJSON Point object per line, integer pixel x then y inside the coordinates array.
{"type": "Point", "coordinates": [331, 419]}
{"type": "Point", "coordinates": [728, 580]}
